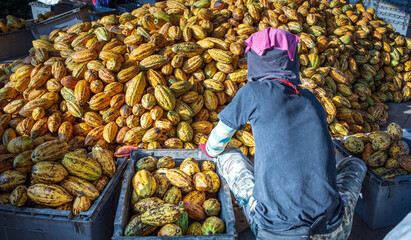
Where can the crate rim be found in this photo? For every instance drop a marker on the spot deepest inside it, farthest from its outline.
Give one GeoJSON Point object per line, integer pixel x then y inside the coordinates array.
{"type": "Point", "coordinates": [57, 17]}
{"type": "Point", "coordinates": [118, 230]}
{"type": "Point", "coordinates": [373, 176]}
{"type": "Point", "coordinates": [67, 215]}
{"type": "Point", "coordinates": [17, 31]}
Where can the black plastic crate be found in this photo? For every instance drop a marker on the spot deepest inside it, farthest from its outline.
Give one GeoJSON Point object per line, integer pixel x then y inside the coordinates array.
{"type": "Point", "coordinates": [15, 44]}
{"type": "Point", "coordinates": [99, 12]}
{"type": "Point", "coordinates": [383, 202]}
{"type": "Point", "coordinates": [127, 7]}
{"type": "Point", "coordinates": [123, 208]}
{"type": "Point", "coordinates": [18, 223]}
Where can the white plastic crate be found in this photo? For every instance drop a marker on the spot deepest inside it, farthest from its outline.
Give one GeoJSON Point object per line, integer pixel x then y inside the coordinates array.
{"type": "Point", "coordinates": [395, 12]}
{"type": "Point", "coordinates": [38, 7]}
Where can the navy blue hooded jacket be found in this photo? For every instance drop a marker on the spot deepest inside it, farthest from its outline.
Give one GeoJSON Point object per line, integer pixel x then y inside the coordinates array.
{"type": "Point", "coordinates": [294, 162]}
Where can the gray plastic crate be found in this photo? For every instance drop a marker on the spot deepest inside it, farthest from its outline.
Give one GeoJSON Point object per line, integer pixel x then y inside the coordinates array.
{"type": "Point", "coordinates": [383, 202]}
{"type": "Point", "coordinates": [15, 44]}
{"type": "Point", "coordinates": [123, 208]}
{"type": "Point", "coordinates": [39, 7]}
{"type": "Point", "coordinates": [18, 223]}
{"type": "Point", "coordinates": [61, 21]}
{"type": "Point", "coordinates": [395, 12]}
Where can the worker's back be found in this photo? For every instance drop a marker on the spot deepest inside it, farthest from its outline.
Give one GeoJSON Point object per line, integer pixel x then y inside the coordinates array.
{"type": "Point", "coordinates": [294, 161]}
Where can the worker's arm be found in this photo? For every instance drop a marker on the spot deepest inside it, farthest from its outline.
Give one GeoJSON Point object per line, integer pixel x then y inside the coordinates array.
{"type": "Point", "coordinates": [218, 139]}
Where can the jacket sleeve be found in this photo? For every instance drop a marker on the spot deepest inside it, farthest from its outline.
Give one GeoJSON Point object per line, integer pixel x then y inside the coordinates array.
{"type": "Point", "coordinates": [218, 139]}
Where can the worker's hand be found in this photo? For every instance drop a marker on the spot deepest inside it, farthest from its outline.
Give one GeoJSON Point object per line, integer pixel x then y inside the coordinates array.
{"type": "Point", "coordinates": [203, 148]}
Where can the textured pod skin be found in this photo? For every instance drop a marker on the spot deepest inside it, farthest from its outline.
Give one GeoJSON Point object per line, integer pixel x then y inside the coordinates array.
{"type": "Point", "coordinates": [165, 97]}
{"type": "Point", "coordinates": [354, 145]}
{"type": "Point", "coordinates": [110, 132]}
{"type": "Point", "coordinates": [126, 74]}
{"type": "Point", "coordinates": [187, 49]}
{"type": "Point", "coordinates": [204, 127]}
{"type": "Point", "coordinates": [381, 142]}
{"type": "Point", "coordinates": [135, 89]}
{"type": "Point", "coordinates": [220, 55]}
{"type": "Point", "coordinates": [194, 229]}
{"type": "Point", "coordinates": [144, 184]}
{"type": "Point", "coordinates": [197, 197]}
{"type": "Point", "coordinates": [213, 225]}
{"type": "Point", "coordinates": [142, 51]}
{"type": "Point", "coordinates": [192, 64]}
{"type": "Point", "coordinates": [80, 187]}
{"type": "Point", "coordinates": [170, 230]}
{"type": "Point", "coordinates": [48, 194]}
{"type": "Point", "coordinates": [146, 204]}
{"type": "Point", "coordinates": [392, 173]}
{"type": "Point", "coordinates": [82, 92]}
{"type": "Point", "coordinates": [85, 55]}
{"type": "Point", "coordinates": [40, 77]}
{"type": "Point", "coordinates": [246, 138]}
{"type": "Point", "coordinates": [101, 183]}
{"type": "Point", "coordinates": [137, 228]}
{"type": "Point", "coordinates": [80, 165]}
{"type": "Point", "coordinates": [405, 162]}
{"type": "Point", "coordinates": [48, 172]}
{"type": "Point", "coordinates": [20, 144]}
{"type": "Point", "coordinates": [182, 222]}
{"type": "Point", "coordinates": [162, 185]}
{"type": "Point", "coordinates": [6, 162]}
{"type": "Point", "coordinates": [215, 181]}
{"type": "Point", "coordinates": [201, 181]}
{"type": "Point", "coordinates": [395, 131]}
{"type": "Point", "coordinates": [163, 124]}
{"type": "Point", "coordinates": [147, 163]}
{"type": "Point", "coordinates": [399, 148]}
{"type": "Point", "coordinates": [189, 166]}
{"type": "Point", "coordinates": [99, 101]}
{"type": "Point", "coordinates": [152, 135]}
{"type": "Point", "coordinates": [10, 179]}
{"type": "Point", "coordinates": [173, 195]}
{"type": "Point", "coordinates": [194, 211]}
{"type": "Point", "coordinates": [212, 207]}
{"type": "Point", "coordinates": [184, 111]}
{"type": "Point", "coordinates": [161, 215]}
{"type": "Point", "coordinates": [207, 165]}
{"type": "Point", "coordinates": [178, 178]}
{"type": "Point", "coordinates": [392, 163]}
{"type": "Point", "coordinates": [166, 162]}
{"type": "Point", "coordinates": [18, 196]}
{"type": "Point", "coordinates": [184, 131]}
{"type": "Point", "coordinates": [106, 160]}
{"type": "Point", "coordinates": [155, 61]}
{"type": "Point", "coordinates": [93, 119]}
{"type": "Point", "coordinates": [40, 140]}
{"type": "Point", "coordinates": [81, 204]}
{"type": "Point", "coordinates": [65, 131]}
{"type": "Point", "coordinates": [377, 159]}
{"type": "Point", "coordinates": [94, 136]}
{"type": "Point", "coordinates": [53, 122]}
{"type": "Point", "coordinates": [49, 151]}
{"type": "Point", "coordinates": [173, 143]}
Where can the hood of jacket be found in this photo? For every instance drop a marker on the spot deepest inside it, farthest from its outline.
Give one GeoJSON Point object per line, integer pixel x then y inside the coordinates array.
{"type": "Point", "coordinates": [272, 54]}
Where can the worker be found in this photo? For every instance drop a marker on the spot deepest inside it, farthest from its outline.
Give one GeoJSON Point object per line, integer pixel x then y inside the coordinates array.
{"type": "Point", "coordinates": [295, 190]}
{"type": "Point", "coordinates": [104, 3]}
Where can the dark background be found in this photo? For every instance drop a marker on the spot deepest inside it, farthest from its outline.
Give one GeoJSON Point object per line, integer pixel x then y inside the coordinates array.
{"type": "Point", "coordinates": [18, 8]}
